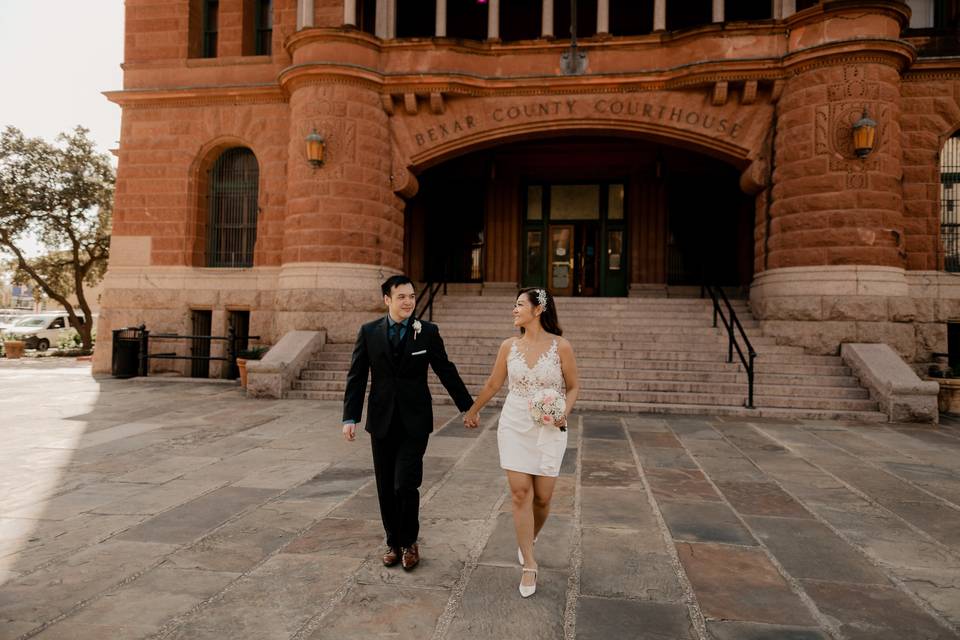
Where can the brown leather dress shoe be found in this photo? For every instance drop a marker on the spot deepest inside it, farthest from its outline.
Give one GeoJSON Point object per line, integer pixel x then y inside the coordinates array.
{"type": "Point", "coordinates": [391, 557]}
{"type": "Point", "coordinates": [411, 557]}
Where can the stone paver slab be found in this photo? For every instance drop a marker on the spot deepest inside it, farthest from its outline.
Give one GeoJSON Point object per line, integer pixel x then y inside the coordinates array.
{"type": "Point", "coordinates": [749, 631]}
{"type": "Point", "coordinates": [552, 550]}
{"type": "Point", "coordinates": [761, 499]}
{"type": "Point", "coordinates": [874, 613]}
{"type": "Point", "coordinates": [380, 611]}
{"type": "Point", "coordinates": [492, 608]}
{"type": "Point", "coordinates": [681, 484]}
{"type": "Point", "coordinates": [272, 602]}
{"type": "Point", "coordinates": [808, 549]}
{"type": "Point", "coordinates": [611, 619]}
{"type": "Point", "coordinates": [610, 507]}
{"type": "Point", "coordinates": [191, 520]}
{"type": "Point", "coordinates": [623, 563]}
{"type": "Point", "coordinates": [704, 522]}
{"type": "Point", "coordinates": [735, 583]}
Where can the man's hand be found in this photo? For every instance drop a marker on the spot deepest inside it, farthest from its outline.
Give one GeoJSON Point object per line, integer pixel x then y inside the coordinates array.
{"type": "Point", "coordinates": [471, 420]}
{"type": "Point", "coordinates": [350, 432]}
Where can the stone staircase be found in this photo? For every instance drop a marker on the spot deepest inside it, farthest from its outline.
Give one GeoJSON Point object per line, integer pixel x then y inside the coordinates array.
{"type": "Point", "coordinates": [656, 355]}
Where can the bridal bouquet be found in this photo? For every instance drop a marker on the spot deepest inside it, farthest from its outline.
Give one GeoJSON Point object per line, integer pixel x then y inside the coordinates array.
{"type": "Point", "coordinates": [547, 407]}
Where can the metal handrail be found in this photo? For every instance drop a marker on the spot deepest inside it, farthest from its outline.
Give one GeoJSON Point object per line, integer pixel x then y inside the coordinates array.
{"type": "Point", "coordinates": [732, 342]}
{"type": "Point", "coordinates": [425, 305]}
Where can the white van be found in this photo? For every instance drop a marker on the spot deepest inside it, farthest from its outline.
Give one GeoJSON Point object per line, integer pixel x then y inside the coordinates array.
{"type": "Point", "coordinates": [41, 330]}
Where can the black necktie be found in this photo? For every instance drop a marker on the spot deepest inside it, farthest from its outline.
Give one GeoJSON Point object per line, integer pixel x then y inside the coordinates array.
{"type": "Point", "coordinates": [395, 335]}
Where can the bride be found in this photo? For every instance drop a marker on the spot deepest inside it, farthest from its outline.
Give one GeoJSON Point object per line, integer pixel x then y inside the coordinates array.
{"type": "Point", "coordinates": [530, 452]}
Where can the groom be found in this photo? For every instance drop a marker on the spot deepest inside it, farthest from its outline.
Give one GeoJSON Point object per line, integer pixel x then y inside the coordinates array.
{"type": "Point", "coordinates": [397, 349]}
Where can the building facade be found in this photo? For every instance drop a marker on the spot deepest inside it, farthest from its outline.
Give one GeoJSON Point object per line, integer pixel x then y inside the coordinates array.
{"type": "Point", "coordinates": [474, 141]}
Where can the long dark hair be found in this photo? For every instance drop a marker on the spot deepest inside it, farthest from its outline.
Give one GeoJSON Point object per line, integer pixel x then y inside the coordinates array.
{"type": "Point", "coordinates": [548, 318]}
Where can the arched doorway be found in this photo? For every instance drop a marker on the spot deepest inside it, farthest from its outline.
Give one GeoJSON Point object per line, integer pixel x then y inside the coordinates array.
{"type": "Point", "coordinates": [583, 215]}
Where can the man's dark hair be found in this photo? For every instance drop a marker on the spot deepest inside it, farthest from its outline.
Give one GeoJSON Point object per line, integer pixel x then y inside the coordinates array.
{"type": "Point", "coordinates": [396, 281]}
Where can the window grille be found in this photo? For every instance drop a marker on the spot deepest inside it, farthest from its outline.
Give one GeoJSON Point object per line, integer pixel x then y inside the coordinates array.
{"type": "Point", "coordinates": [232, 221]}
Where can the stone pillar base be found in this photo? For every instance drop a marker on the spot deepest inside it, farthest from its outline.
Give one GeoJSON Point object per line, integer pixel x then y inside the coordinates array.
{"type": "Point", "coordinates": [819, 308]}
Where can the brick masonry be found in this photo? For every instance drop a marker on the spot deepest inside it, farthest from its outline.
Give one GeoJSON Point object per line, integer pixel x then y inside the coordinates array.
{"type": "Point", "coordinates": [390, 109]}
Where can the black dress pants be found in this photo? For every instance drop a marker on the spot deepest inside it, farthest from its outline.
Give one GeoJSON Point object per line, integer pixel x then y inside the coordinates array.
{"type": "Point", "coordinates": [398, 464]}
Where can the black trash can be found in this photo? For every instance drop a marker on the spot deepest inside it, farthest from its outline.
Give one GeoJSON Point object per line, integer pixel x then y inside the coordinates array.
{"type": "Point", "coordinates": [126, 352]}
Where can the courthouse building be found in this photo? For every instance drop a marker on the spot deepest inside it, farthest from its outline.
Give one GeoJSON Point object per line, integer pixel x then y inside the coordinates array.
{"type": "Point", "coordinates": [468, 141]}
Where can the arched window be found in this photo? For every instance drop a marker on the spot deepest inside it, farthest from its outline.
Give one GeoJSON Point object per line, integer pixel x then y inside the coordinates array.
{"type": "Point", "coordinates": [950, 202]}
{"type": "Point", "coordinates": [232, 209]}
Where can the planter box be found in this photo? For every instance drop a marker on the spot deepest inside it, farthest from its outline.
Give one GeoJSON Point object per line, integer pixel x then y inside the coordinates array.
{"type": "Point", "coordinates": [14, 348]}
{"type": "Point", "coordinates": [949, 396]}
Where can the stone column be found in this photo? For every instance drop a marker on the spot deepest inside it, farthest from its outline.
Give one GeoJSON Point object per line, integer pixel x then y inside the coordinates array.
{"type": "Point", "coordinates": [305, 13]}
{"type": "Point", "coordinates": [441, 25]}
{"type": "Point", "coordinates": [349, 12]}
{"type": "Point", "coordinates": [603, 16]}
{"type": "Point", "coordinates": [718, 10]}
{"type": "Point", "coordinates": [386, 22]}
{"type": "Point", "coordinates": [784, 9]}
{"type": "Point", "coordinates": [832, 253]}
{"type": "Point", "coordinates": [659, 15]}
{"type": "Point", "coordinates": [546, 20]}
{"type": "Point", "coordinates": [343, 231]}
{"type": "Point", "coordinates": [493, 20]}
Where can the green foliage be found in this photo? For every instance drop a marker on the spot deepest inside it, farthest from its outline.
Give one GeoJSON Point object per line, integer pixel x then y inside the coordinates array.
{"type": "Point", "coordinates": [62, 195]}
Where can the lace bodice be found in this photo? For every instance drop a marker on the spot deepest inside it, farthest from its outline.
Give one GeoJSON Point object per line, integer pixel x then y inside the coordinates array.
{"type": "Point", "coordinates": [524, 381]}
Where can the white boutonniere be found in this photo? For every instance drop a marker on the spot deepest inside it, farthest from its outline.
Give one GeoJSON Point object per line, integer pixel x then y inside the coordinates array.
{"type": "Point", "coordinates": [416, 328]}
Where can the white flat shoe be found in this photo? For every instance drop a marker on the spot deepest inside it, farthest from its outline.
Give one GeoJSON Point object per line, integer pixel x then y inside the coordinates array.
{"type": "Point", "coordinates": [525, 591]}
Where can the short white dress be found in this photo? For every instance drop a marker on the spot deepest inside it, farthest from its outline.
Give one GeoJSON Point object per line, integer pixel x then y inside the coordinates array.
{"type": "Point", "coordinates": [525, 445]}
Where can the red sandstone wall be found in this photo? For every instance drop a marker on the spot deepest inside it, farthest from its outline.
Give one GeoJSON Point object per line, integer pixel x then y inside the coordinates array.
{"type": "Point", "coordinates": [828, 207]}
{"type": "Point", "coordinates": [930, 116]}
{"type": "Point", "coordinates": [347, 210]}
{"type": "Point", "coordinates": [161, 29]}
{"type": "Point", "coordinates": [163, 153]}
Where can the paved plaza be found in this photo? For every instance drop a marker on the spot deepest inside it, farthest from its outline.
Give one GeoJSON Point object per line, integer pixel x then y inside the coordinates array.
{"type": "Point", "coordinates": [156, 509]}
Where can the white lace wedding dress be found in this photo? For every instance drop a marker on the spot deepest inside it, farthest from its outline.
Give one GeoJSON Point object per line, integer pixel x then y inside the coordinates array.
{"type": "Point", "coordinates": [524, 445]}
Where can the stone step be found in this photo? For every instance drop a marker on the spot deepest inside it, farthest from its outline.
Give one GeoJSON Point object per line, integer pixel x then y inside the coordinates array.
{"type": "Point", "coordinates": [469, 333]}
{"type": "Point", "coordinates": [669, 408]}
{"type": "Point", "coordinates": [709, 337]}
{"type": "Point", "coordinates": [478, 375]}
{"type": "Point", "coordinates": [458, 350]}
{"type": "Point", "coordinates": [592, 324]}
{"type": "Point", "coordinates": [761, 368]}
{"type": "Point", "coordinates": [589, 385]}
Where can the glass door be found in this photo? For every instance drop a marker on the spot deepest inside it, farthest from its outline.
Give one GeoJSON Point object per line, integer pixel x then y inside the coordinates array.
{"type": "Point", "coordinates": [561, 259]}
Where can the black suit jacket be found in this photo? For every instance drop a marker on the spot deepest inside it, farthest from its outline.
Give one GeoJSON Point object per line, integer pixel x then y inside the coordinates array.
{"type": "Point", "coordinates": [399, 384]}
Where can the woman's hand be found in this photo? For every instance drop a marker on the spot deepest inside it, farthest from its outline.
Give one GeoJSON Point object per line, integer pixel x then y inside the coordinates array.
{"type": "Point", "coordinates": [471, 419]}
{"type": "Point", "coordinates": [561, 422]}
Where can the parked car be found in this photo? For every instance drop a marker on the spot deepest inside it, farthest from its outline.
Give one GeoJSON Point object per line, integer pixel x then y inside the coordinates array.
{"type": "Point", "coordinates": [10, 316]}
{"type": "Point", "coordinates": [41, 330]}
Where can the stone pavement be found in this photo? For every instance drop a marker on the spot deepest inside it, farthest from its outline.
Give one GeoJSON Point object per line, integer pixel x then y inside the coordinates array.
{"type": "Point", "coordinates": [151, 509]}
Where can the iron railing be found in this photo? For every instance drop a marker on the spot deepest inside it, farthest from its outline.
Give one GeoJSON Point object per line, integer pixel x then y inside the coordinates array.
{"type": "Point", "coordinates": [425, 303]}
{"type": "Point", "coordinates": [231, 339]}
{"type": "Point", "coordinates": [731, 323]}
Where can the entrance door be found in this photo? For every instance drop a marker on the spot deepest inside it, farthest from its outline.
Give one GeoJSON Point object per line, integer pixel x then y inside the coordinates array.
{"type": "Point", "coordinates": [202, 323]}
{"type": "Point", "coordinates": [573, 239]}
{"type": "Point", "coordinates": [561, 259]}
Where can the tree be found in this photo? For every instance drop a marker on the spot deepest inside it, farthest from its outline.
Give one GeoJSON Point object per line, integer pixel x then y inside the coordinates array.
{"type": "Point", "coordinates": [62, 195]}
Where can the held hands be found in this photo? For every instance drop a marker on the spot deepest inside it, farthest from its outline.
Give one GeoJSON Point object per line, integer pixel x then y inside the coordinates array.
{"type": "Point", "coordinates": [471, 419]}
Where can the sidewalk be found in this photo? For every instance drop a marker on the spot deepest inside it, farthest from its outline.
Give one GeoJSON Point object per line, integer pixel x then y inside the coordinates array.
{"type": "Point", "coordinates": [142, 509]}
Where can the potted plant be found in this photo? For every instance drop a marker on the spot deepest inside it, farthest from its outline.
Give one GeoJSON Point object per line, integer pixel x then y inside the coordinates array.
{"type": "Point", "coordinates": [13, 345]}
{"type": "Point", "coordinates": [941, 372]}
{"type": "Point", "coordinates": [248, 354]}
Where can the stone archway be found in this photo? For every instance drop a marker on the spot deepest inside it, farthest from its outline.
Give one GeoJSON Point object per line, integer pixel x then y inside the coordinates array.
{"type": "Point", "coordinates": [426, 134]}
